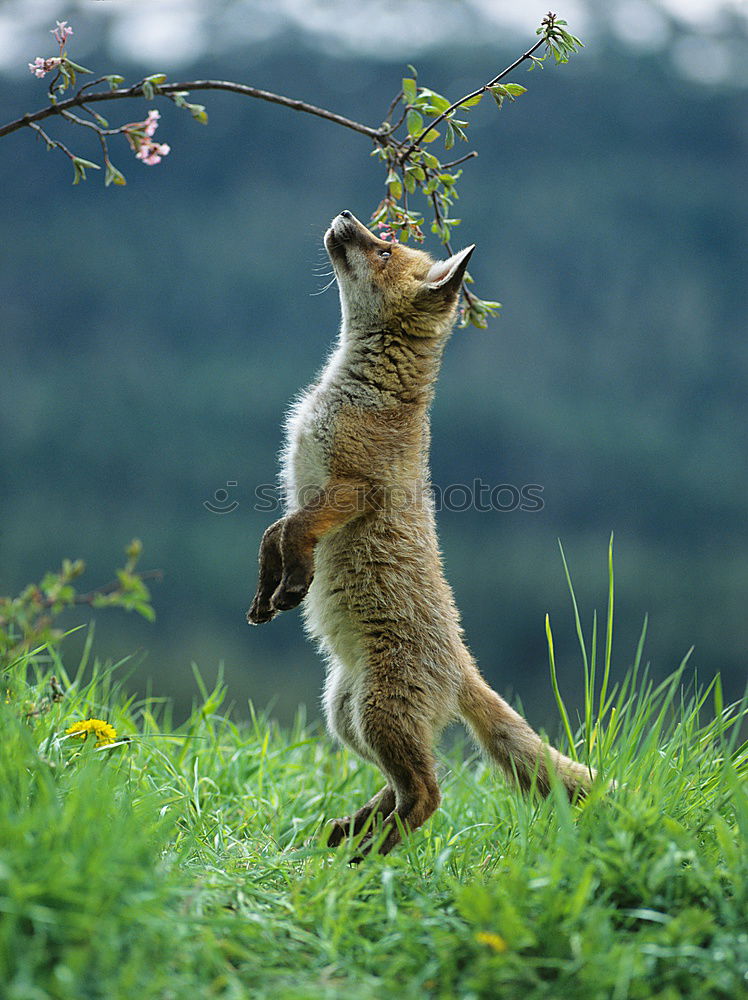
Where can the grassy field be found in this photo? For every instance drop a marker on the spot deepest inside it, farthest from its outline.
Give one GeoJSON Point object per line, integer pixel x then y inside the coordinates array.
{"type": "Point", "coordinates": [189, 861]}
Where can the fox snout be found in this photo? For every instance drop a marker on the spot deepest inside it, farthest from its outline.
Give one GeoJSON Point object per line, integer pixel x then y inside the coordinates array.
{"type": "Point", "coordinates": [346, 229]}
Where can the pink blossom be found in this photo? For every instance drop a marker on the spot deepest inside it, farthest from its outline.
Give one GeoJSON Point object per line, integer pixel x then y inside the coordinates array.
{"type": "Point", "coordinates": [40, 67]}
{"type": "Point", "coordinates": [62, 32]}
{"type": "Point", "coordinates": [388, 233]}
{"type": "Point", "coordinates": [152, 153]}
{"type": "Point", "coordinates": [151, 123]}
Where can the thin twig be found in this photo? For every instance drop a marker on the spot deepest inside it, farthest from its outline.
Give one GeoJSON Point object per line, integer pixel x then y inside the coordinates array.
{"type": "Point", "coordinates": [51, 143]}
{"type": "Point", "coordinates": [377, 135]}
{"type": "Point", "coordinates": [454, 163]}
{"type": "Point", "coordinates": [468, 97]}
{"type": "Point", "coordinates": [438, 216]}
{"type": "Point", "coordinates": [400, 120]}
{"type": "Point", "coordinates": [97, 128]}
{"type": "Point", "coordinates": [392, 106]}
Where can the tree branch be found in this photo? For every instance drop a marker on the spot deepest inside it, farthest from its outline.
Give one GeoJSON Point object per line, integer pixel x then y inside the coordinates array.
{"type": "Point", "coordinates": [409, 165]}
{"type": "Point", "coordinates": [481, 90]}
{"type": "Point", "coordinates": [168, 88]}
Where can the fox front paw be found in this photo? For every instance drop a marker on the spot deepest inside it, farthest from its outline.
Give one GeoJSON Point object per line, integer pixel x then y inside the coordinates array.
{"type": "Point", "coordinates": [260, 611]}
{"type": "Point", "coordinates": [292, 589]}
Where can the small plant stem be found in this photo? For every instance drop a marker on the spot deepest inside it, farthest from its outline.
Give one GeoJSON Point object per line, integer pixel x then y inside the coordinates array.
{"type": "Point", "coordinates": [455, 163]}
{"type": "Point", "coordinates": [51, 143]}
{"type": "Point", "coordinates": [114, 585]}
{"type": "Point", "coordinates": [96, 128]}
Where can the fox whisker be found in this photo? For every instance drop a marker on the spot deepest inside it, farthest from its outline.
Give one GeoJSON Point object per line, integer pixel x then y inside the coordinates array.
{"type": "Point", "coordinates": [330, 283]}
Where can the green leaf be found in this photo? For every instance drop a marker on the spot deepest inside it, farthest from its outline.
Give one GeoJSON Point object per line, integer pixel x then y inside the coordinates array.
{"type": "Point", "coordinates": [515, 89]}
{"type": "Point", "coordinates": [394, 185]}
{"type": "Point", "coordinates": [414, 122]}
{"type": "Point", "coordinates": [156, 78]}
{"type": "Point", "coordinates": [113, 176]}
{"type": "Point", "coordinates": [449, 138]}
{"type": "Point", "coordinates": [499, 94]}
{"type": "Point", "coordinates": [472, 101]}
{"type": "Point", "coordinates": [409, 89]}
{"type": "Point", "coordinates": [437, 102]}
{"type": "Point", "coordinates": [87, 163]}
{"type": "Point", "coordinates": [79, 167]}
{"type": "Point", "coordinates": [427, 109]}
{"type": "Point", "coordinates": [145, 610]}
{"type": "Point", "coordinates": [114, 80]}
{"type": "Point", "coordinates": [197, 111]}
{"type": "Point", "coordinates": [75, 66]}
{"type": "Point", "coordinates": [431, 135]}
{"type": "Point", "coordinates": [68, 75]}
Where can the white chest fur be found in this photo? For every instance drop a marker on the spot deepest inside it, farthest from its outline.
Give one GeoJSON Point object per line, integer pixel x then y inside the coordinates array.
{"type": "Point", "coordinates": [309, 438]}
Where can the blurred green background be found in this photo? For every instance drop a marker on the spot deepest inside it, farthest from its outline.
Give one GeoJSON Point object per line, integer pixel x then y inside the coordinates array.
{"type": "Point", "coordinates": [153, 335]}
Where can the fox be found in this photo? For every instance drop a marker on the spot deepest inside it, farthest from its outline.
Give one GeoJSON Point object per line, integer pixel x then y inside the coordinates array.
{"type": "Point", "coordinates": [357, 546]}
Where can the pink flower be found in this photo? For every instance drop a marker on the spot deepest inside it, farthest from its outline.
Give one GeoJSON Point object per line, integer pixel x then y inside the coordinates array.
{"type": "Point", "coordinates": [388, 233]}
{"type": "Point", "coordinates": [62, 32]}
{"type": "Point", "coordinates": [40, 67]}
{"type": "Point", "coordinates": [152, 153]}
{"type": "Point", "coordinates": [151, 123]}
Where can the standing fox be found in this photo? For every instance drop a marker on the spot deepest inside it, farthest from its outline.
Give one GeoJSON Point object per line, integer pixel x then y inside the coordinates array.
{"type": "Point", "coordinates": [358, 543]}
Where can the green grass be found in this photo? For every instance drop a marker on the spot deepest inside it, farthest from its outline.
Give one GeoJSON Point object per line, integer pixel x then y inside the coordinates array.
{"type": "Point", "coordinates": [188, 862]}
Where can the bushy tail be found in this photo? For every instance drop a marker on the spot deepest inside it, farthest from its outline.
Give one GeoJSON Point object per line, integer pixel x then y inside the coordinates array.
{"type": "Point", "coordinates": [512, 744]}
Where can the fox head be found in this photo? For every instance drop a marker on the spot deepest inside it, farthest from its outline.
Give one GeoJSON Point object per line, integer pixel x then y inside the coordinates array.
{"type": "Point", "coordinates": [389, 286]}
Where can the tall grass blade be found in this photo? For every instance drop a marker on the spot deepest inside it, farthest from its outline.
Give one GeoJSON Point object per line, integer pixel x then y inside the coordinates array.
{"type": "Point", "coordinates": [556, 690]}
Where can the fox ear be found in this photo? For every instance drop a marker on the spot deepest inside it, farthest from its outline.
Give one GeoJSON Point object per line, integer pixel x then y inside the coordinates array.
{"type": "Point", "coordinates": [446, 275]}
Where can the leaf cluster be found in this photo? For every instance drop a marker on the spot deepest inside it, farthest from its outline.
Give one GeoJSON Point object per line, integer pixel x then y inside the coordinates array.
{"type": "Point", "coordinates": [29, 620]}
{"type": "Point", "coordinates": [417, 118]}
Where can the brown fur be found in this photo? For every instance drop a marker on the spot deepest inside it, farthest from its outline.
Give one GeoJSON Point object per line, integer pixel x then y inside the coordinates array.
{"type": "Point", "coordinates": [359, 542]}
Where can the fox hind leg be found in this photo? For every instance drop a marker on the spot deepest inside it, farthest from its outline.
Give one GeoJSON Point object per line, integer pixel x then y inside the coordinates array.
{"type": "Point", "coordinates": [405, 756]}
{"type": "Point", "coordinates": [380, 806]}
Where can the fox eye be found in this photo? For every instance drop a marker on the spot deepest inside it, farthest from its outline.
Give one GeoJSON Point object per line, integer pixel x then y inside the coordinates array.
{"type": "Point", "coordinates": [384, 254]}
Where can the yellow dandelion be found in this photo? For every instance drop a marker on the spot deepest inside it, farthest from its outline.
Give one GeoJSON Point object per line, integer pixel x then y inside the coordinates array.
{"type": "Point", "coordinates": [104, 733]}
{"type": "Point", "coordinates": [494, 941]}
